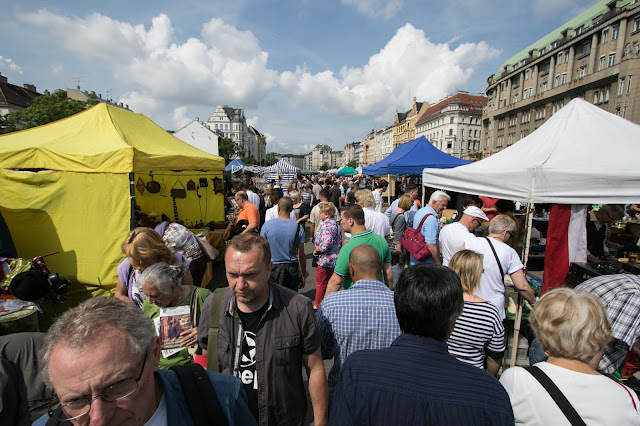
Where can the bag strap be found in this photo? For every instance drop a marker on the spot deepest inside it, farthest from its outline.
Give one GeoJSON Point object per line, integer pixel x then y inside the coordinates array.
{"type": "Point", "coordinates": [496, 256]}
{"type": "Point", "coordinates": [295, 242]}
{"type": "Point", "coordinates": [422, 221]}
{"type": "Point", "coordinates": [565, 406]}
{"type": "Point", "coordinates": [214, 326]}
{"type": "Point", "coordinates": [200, 395]}
{"type": "Point", "coordinates": [193, 317]}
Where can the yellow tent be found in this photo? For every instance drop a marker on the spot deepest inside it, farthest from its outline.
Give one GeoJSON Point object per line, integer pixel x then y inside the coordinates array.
{"type": "Point", "coordinates": [67, 186]}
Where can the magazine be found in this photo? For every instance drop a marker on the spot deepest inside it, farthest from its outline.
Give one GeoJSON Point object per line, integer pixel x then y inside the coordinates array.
{"type": "Point", "coordinates": [171, 322]}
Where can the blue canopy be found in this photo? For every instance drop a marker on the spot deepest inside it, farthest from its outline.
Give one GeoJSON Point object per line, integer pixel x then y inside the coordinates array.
{"type": "Point", "coordinates": [235, 165]}
{"type": "Point", "coordinates": [411, 158]}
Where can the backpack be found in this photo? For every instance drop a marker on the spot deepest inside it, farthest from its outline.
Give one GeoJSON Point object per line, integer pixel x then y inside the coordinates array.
{"type": "Point", "coordinates": [413, 241]}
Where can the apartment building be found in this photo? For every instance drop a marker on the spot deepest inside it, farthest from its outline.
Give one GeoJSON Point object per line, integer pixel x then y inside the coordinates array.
{"type": "Point", "coordinates": [404, 124]}
{"type": "Point", "coordinates": [594, 56]}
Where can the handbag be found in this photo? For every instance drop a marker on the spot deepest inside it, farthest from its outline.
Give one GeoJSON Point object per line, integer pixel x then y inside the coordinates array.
{"type": "Point", "coordinates": [178, 192]}
{"type": "Point", "coordinates": [413, 241]}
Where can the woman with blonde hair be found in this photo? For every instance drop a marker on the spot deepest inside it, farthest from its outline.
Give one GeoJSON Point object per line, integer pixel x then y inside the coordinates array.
{"type": "Point", "coordinates": [328, 243]}
{"type": "Point", "coordinates": [573, 329]}
{"type": "Point", "coordinates": [478, 334]}
{"type": "Point", "coordinates": [144, 247]}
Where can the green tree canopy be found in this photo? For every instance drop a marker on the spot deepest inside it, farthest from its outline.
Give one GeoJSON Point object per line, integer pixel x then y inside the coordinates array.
{"type": "Point", "coordinates": [271, 158]}
{"type": "Point", "coordinates": [324, 167]}
{"type": "Point", "coordinates": [45, 109]}
{"type": "Point", "coordinates": [352, 164]}
{"type": "Point", "coordinates": [228, 149]}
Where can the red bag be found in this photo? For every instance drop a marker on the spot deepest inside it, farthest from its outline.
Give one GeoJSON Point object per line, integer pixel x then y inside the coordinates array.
{"type": "Point", "coordinates": [413, 241]}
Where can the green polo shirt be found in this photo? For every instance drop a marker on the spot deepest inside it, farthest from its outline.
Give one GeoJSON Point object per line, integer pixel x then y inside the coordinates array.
{"type": "Point", "coordinates": [366, 237]}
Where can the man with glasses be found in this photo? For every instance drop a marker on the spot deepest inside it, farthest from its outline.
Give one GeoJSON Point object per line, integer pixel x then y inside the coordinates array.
{"type": "Point", "coordinates": [499, 260]}
{"type": "Point", "coordinates": [453, 235]}
{"type": "Point", "coordinates": [101, 358]}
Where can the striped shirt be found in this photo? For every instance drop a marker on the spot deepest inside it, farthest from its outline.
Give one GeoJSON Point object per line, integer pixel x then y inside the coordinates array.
{"type": "Point", "coordinates": [478, 328]}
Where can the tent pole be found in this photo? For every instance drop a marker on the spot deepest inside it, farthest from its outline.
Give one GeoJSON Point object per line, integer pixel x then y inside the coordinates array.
{"type": "Point", "coordinates": [525, 258]}
{"type": "Point", "coordinates": [389, 190]}
{"type": "Point", "coordinates": [132, 201]}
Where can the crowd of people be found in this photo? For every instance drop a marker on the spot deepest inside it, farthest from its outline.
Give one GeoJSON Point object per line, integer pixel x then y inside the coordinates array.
{"type": "Point", "coordinates": [413, 341]}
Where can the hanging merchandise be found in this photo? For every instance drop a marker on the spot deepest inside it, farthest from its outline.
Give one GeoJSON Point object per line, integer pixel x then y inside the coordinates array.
{"type": "Point", "coordinates": [191, 185]}
{"type": "Point", "coordinates": [175, 212]}
{"type": "Point", "coordinates": [203, 183]}
{"type": "Point", "coordinates": [153, 186]}
{"type": "Point", "coordinates": [140, 186]}
{"type": "Point", "coordinates": [178, 192]}
{"type": "Point", "coordinates": [218, 188]}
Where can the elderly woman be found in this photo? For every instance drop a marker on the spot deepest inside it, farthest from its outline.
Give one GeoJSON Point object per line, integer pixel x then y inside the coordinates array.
{"type": "Point", "coordinates": [328, 243]}
{"type": "Point", "coordinates": [301, 210]}
{"type": "Point", "coordinates": [159, 283]}
{"type": "Point", "coordinates": [572, 327]}
{"type": "Point", "coordinates": [143, 248]}
{"type": "Point", "coordinates": [478, 334]}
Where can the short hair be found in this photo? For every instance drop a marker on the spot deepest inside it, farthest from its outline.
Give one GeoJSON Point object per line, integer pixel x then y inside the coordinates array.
{"type": "Point", "coordinates": [468, 265]}
{"type": "Point", "coordinates": [405, 202]}
{"type": "Point", "coordinates": [85, 324]}
{"type": "Point", "coordinates": [428, 300]}
{"type": "Point", "coordinates": [382, 184]}
{"type": "Point", "coordinates": [242, 186]}
{"type": "Point", "coordinates": [285, 205]}
{"type": "Point", "coordinates": [244, 243]}
{"type": "Point", "coordinates": [410, 188]}
{"type": "Point", "coordinates": [242, 195]}
{"type": "Point", "coordinates": [366, 260]}
{"type": "Point", "coordinates": [324, 193]}
{"type": "Point", "coordinates": [145, 243]}
{"type": "Point", "coordinates": [160, 276]}
{"type": "Point", "coordinates": [501, 223]}
{"type": "Point", "coordinates": [478, 201]}
{"type": "Point", "coordinates": [327, 208]}
{"type": "Point", "coordinates": [365, 198]}
{"type": "Point", "coordinates": [504, 206]}
{"type": "Point", "coordinates": [615, 211]}
{"type": "Point", "coordinates": [277, 193]}
{"type": "Point", "coordinates": [295, 195]}
{"type": "Point", "coordinates": [571, 324]}
{"type": "Point", "coordinates": [355, 212]}
{"type": "Point", "coordinates": [437, 196]}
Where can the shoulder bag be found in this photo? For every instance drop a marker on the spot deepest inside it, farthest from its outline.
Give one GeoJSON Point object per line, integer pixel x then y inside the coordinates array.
{"type": "Point", "coordinates": [413, 241]}
{"type": "Point", "coordinates": [497, 259]}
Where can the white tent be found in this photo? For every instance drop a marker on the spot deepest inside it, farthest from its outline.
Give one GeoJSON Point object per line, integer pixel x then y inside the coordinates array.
{"type": "Point", "coordinates": [282, 172]}
{"type": "Point", "coordinates": [581, 155]}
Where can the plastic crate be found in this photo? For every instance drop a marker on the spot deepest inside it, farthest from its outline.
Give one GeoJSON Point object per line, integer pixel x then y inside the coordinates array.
{"type": "Point", "coordinates": [630, 365]}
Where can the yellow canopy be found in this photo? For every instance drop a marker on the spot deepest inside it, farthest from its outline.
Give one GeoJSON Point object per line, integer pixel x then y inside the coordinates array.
{"type": "Point", "coordinates": [80, 202]}
{"type": "Point", "coordinates": [102, 139]}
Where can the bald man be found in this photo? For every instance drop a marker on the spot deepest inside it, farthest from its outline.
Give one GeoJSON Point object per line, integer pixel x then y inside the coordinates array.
{"type": "Point", "coordinates": [362, 317]}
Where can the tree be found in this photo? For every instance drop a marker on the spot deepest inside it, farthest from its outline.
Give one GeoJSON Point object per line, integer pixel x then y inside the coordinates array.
{"type": "Point", "coordinates": [271, 158]}
{"type": "Point", "coordinates": [324, 167]}
{"type": "Point", "coordinates": [352, 164]}
{"type": "Point", "coordinates": [229, 149]}
{"type": "Point", "coordinates": [249, 160]}
{"type": "Point", "coordinates": [45, 109]}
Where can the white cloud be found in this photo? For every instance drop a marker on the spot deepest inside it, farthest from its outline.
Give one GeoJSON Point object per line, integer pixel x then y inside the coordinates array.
{"type": "Point", "coordinates": [8, 63]}
{"type": "Point", "coordinates": [227, 62]}
{"type": "Point", "coordinates": [180, 118]}
{"type": "Point", "coordinates": [409, 65]}
{"type": "Point", "coordinates": [375, 8]}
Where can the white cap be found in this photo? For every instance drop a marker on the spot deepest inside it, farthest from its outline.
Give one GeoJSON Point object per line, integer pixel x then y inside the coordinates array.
{"type": "Point", "coordinates": [474, 211]}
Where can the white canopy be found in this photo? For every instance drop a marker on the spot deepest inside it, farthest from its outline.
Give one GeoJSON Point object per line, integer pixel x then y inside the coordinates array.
{"type": "Point", "coordinates": [581, 155]}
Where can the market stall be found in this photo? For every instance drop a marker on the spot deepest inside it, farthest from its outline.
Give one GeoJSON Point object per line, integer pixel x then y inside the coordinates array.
{"type": "Point", "coordinates": [69, 187]}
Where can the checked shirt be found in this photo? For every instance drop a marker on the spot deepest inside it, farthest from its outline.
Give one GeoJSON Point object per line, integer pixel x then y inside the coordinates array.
{"type": "Point", "coordinates": [620, 295]}
{"type": "Point", "coordinates": [362, 317]}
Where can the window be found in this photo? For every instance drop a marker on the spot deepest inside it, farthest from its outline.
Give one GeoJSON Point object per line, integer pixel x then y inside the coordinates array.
{"type": "Point", "coordinates": [624, 112]}
{"type": "Point", "coordinates": [556, 82]}
{"type": "Point", "coordinates": [530, 91]}
{"type": "Point", "coordinates": [612, 59]}
{"type": "Point", "coordinates": [515, 98]}
{"type": "Point", "coordinates": [564, 78]}
{"type": "Point", "coordinates": [636, 24]}
{"type": "Point", "coordinates": [595, 96]}
{"type": "Point", "coordinates": [566, 56]}
{"type": "Point", "coordinates": [559, 58]}
{"type": "Point", "coordinates": [449, 144]}
{"type": "Point", "coordinates": [614, 33]}
{"type": "Point", "coordinates": [450, 133]}
{"type": "Point", "coordinates": [605, 36]}
{"type": "Point", "coordinates": [629, 85]}
{"type": "Point", "coordinates": [451, 120]}
{"type": "Point", "coordinates": [621, 87]}
{"type": "Point", "coordinates": [582, 71]}
{"type": "Point", "coordinates": [606, 95]}
{"type": "Point", "coordinates": [526, 74]}
{"type": "Point", "coordinates": [601, 64]}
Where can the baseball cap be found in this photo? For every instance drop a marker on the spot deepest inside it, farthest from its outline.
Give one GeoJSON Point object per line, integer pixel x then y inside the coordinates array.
{"type": "Point", "coordinates": [474, 211]}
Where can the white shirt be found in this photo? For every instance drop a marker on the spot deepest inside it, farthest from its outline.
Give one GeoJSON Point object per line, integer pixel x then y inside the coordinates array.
{"type": "Point", "coordinates": [253, 198]}
{"type": "Point", "coordinates": [376, 221]}
{"type": "Point", "coordinates": [159, 418]}
{"type": "Point", "coordinates": [272, 213]}
{"type": "Point", "coordinates": [452, 238]}
{"type": "Point", "coordinates": [597, 399]}
{"type": "Point", "coordinates": [377, 196]}
{"type": "Point", "coordinates": [491, 286]}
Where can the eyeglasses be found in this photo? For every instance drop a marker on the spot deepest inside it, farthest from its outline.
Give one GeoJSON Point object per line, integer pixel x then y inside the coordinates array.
{"type": "Point", "coordinates": [81, 406]}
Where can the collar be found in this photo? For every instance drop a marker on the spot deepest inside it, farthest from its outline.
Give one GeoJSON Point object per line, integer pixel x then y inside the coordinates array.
{"type": "Point", "coordinates": [425, 343]}
{"type": "Point", "coordinates": [369, 285]}
{"type": "Point", "coordinates": [360, 234]}
{"type": "Point", "coordinates": [431, 210]}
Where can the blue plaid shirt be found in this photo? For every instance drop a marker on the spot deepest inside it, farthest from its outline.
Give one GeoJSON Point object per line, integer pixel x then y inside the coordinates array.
{"type": "Point", "coordinates": [362, 317]}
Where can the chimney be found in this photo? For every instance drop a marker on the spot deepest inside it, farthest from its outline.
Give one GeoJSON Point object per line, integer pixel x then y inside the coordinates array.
{"type": "Point", "coordinates": [100, 95]}
{"type": "Point", "coordinates": [93, 93]}
{"type": "Point", "coordinates": [47, 93]}
{"type": "Point", "coordinates": [3, 79]}
{"type": "Point", "coordinates": [29, 87]}
{"type": "Point", "coordinates": [127, 106]}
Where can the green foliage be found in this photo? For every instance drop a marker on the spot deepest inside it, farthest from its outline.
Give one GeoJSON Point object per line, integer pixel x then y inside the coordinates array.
{"type": "Point", "coordinates": [352, 164]}
{"type": "Point", "coordinates": [324, 167]}
{"type": "Point", "coordinates": [271, 159]}
{"type": "Point", "coordinates": [45, 109]}
{"type": "Point", "coordinates": [476, 155]}
{"type": "Point", "coordinates": [249, 160]}
{"type": "Point", "coordinates": [228, 149]}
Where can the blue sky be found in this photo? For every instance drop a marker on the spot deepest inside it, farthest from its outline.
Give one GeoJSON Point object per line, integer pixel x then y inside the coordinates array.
{"type": "Point", "coordinates": [306, 72]}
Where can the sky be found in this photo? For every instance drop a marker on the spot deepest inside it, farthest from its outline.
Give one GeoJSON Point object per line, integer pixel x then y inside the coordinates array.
{"type": "Point", "coordinates": [306, 72]}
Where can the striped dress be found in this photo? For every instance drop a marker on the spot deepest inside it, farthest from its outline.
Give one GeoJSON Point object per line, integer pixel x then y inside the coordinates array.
{"type": "Point", "coordinates": [479, 327]}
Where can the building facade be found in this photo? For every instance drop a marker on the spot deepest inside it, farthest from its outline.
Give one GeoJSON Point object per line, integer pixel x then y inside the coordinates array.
{"type": "Point", "coordinates": [594, 56]}
{"type": "Point", "coordinates": [15, 98]}
{"type": "Point", "coordinates": [337, 160]}
{"type": "Point", "coordinates": [454, 125]}
{"type": "Point", "coordinates": [232, 122]}
{"type": "Point", "coordinates": [294, 159]}
{"type": "Point", "coordinates": [199, 135]}
{"type": "Point", "coordinates": [404, 124]}
{"type": "Point", "coordinates": [321, 155]}
{"type": "Point", "coordinates": [308, 161]}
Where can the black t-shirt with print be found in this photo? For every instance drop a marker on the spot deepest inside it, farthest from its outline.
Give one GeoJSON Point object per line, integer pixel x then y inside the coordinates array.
{"type": "Point", "coordinates": [247, 364]}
